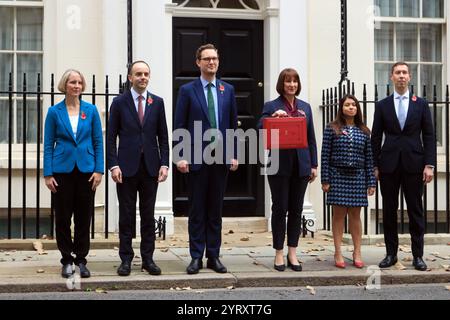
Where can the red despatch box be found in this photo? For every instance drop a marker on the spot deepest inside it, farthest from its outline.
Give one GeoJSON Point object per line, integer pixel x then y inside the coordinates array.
{"type": "Point", "coordinates": [291, 131]}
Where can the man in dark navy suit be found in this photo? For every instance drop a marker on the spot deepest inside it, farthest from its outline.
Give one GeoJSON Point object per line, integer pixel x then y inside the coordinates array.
{"type": "Point", "coordinates": [138, 118]}
{"type": "Point", "coordinates": [210, 103]}
{"type": "Point", "coordinates": [407, 158]}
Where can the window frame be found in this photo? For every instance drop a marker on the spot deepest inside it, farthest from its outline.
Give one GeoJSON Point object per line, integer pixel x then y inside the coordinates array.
{"type": "Point", "coordinates": [15, 4]}
{"type": "Point", "coordinates": [419, 22]}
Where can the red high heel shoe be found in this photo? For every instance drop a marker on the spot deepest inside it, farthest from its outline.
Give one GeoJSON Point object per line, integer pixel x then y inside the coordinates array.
{"type": "Point", "coordinates": [340, 265]}
{"type": "Point", "coordinates": [357, 264]}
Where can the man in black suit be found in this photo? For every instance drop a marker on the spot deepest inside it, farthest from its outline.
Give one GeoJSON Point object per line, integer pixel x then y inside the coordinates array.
{"type": "Point", "coordinates": [407, 158]}
{"type": "Point", "coordinates": [138, 118]}
{"type": "Point", "coordinates": [210, 102]}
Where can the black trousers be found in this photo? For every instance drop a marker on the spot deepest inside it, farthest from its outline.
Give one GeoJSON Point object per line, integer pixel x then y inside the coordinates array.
{"type": "Point", "coordinates": [412, 185]}
{"type": "Point", "coordinates": [127, 191]}
{"type": "Point", "coordinates": [206, 192]}
{"type": "Point", "coordinates": [74, 196]}
{"type": "Point", "coordinates": [288, 193]}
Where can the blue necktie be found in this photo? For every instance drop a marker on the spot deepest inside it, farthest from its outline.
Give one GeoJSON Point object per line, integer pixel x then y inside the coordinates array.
{"type": "Point", "coordinates": [401, 112]}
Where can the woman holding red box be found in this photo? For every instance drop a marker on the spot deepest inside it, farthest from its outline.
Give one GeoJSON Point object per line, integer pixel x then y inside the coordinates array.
{"type": "Point", "coordinates": [297, 168]}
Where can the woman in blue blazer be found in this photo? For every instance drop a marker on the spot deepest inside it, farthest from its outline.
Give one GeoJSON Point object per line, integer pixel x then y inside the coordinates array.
{"type": "Point", "coordinates": [73, 168]}
{"type": "Point", "coordinates": [347, 173]}
{"type": "Point", "coordinates": [297, 167]}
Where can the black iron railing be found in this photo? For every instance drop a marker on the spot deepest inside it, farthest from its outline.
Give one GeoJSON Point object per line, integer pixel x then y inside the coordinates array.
{"type": "Point", "coordinates": [38, 95]}
{"type": "Point", "coordinates": [440, 218]}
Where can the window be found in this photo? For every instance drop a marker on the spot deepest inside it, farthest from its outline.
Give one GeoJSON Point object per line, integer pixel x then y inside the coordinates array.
{"type": "Point", "coordinates": [411, 31]}
{"type": "Point", "coordinates": [21, 46]}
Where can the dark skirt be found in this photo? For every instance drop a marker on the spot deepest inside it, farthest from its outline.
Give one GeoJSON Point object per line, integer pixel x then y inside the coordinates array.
{"type": "Point", "coordinates": [348, 187]}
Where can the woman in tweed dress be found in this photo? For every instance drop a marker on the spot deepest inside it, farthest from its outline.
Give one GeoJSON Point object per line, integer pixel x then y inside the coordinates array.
{"type": "Point", "coordinates": [347, 173]}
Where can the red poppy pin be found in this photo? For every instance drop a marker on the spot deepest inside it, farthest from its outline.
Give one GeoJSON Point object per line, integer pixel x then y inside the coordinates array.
{"type": "Point", "coordinates": [414, 98]}
{"type": "Point", "coordinates": [83, 115]}
{"type": "Point", "coordinates": [221, 88]}
{"type": "Point", "coordinates": [149, 100]}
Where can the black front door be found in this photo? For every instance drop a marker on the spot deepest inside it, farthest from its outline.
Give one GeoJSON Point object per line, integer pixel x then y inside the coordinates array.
{"type": "Point", "coordinates": [240, 45]}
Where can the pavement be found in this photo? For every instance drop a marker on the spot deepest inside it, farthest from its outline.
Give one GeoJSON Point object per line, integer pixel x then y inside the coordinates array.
{"type": "Point", "coordinates": [28, 267]}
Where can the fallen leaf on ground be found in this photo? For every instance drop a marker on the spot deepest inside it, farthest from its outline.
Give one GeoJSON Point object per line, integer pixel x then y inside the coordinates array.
{"type": "Point", "coordinates": [115, 248]}
{"type": "Point", "coordinates": [245, 239]}
{"type": "Point", "coordinates": [320, 259]}
{"type": "Point", "coordinates": [164, 250]}
{"type": "Point", "coordinates": [400, 266]}
{"type": "Point", "coordinates": [448, 288]}
{"type": "Point", "coordinates": [228, 249]}
{"type": "Point", "coordinates": [446, 267]}
{"type": "Point", "coordinates": [430, 259]}
{"type": "Point", "coordinates": [269, 237]}
{"type": "Point", "coordinates": [100, 290]}
{"type": "Point", "coordinates": [230, 287]}
{"type": "Point", "coordinates": [225, 242]}
{"type": "Point", "coordinates": [269, 245]}
{"type": "Point", "coordinates": [407, 259]}
{"type": "Point", "coordinates": [40, 271]}
{"type": "Point", "coordinates": [187, 289]}
{"type": "Point", "coordinates": [309, 242]}
{"type": "Point", "coordinates": [172, 244]}
{"type": "Point", "coordinates": [231, 232]}
{"type": "Point", "coordinates": [199, 291]}
{"type": "Point", "coordinates": [92, 254]}
{"type": "Point", "coordinates": [326, 239]}
{"type": "Point", "coordinates": [256, 263]}
{"type": "Point", "coordinates": [178, 289]}
{"type": "Point", "coordinates": [137, 257]}
{"type": "Point", "coordinates": [311, 290]}
{"type": "Point", "coordinates": [39, 247]}
{"type": "Point", "coordinates": [380, 245]}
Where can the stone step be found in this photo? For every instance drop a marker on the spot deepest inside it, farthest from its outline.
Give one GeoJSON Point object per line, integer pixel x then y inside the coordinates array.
{"type": "Point", "coordinates": [237, 224]}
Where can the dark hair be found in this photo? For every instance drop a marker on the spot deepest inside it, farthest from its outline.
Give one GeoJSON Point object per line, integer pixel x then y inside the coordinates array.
{"type": "Point", "coordinates": [288, 73]}
{"type": "Point", "coordinates": [204, 47]}
{"type": "Point", "coordinates": [340, 121]}
{"type": "Point", "coordinates": [130, 68]}
{"type": "Point", "coordinates": [400, 63]}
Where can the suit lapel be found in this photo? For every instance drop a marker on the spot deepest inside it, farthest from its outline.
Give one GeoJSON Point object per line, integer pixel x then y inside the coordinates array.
{"type": "Point", "coordinates": [411, 109]}
{"type": "Point", "coordinates": [148, 106]}
{"type": "Point", "coordinates": [220, 100]}
{"type": "Point", "coordinates": [198, 89]}
{"type": "Point", "coordinates": [132, 107]}
{"type": "Point", "coordinates": [81, 120]}
{"type": "Point", "coordinates": [64, 116]}
{"type": "Point", "coordinates": [393, 113]}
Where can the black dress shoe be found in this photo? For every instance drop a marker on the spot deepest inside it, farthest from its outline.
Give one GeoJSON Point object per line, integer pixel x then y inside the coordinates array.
{"type": "Point", "coordinates": [84, 271]}
{"type": "Point", "coordinates": [280, 267]}
{"type": "Point", "coordinates": [195, 266]}
{"type": "Point", "coordinates": [124, 268]}
{"type": "Point", "coordinates": [419, 264]}
{"type": "Point", "coordinates": [67, 270]}
{"type": "Point", "coordinates": [151, 268]}
{"type": "Point", "coordinates": [216, 265]}
{"type": "Point", "coordinates": [388, 261]}
{"type": "Point", "coordinates": [294, 267]}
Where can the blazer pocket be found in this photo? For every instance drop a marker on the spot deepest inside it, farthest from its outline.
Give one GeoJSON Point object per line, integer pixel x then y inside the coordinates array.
{"type": "Point", "coordinates": [59, 150]}
{"type": "Point", "coordinates": [91, 151]}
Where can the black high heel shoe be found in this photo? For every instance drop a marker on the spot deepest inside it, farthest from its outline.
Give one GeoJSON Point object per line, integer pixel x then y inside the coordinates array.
{"type": "Point", "coordinates": [280, 267]}
{"type": "Point", "coordinates": [293, 266]}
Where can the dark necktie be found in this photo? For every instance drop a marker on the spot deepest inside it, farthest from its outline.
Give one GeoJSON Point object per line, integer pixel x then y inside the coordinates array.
{"type": "Point", "coordinates": [211, 109]}
{"type": "Point", "coordinates": [140, 109]}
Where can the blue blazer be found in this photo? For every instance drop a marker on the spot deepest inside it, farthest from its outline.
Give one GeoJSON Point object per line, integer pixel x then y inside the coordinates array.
{"type": "Point", "coordinates": [62, 151]}
{"type": "Point", "coordinates": [192, 106]}
{"type": "Point", "coordinates": [307, 158]}
{"type": "Point", "coordinates": [414, 146]}
{"type": "Point", "coordinates": [151, 138]}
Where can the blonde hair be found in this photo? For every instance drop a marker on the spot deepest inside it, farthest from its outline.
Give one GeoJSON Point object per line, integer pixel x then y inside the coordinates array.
{"type": "Point", "coordinates": [65, 77]}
